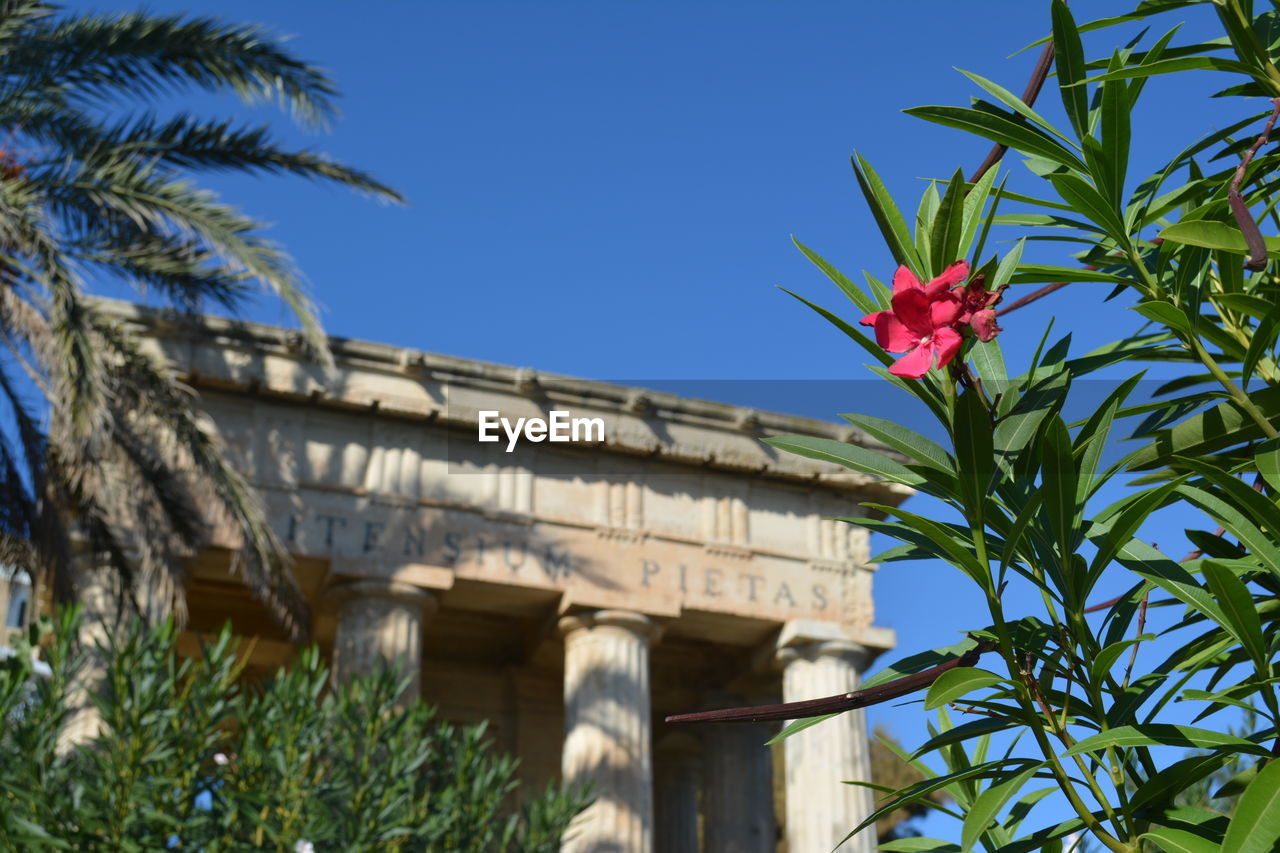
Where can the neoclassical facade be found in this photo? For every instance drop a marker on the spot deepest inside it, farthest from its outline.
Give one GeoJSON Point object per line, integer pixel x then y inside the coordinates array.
{"type": "Point", "coordinates": [572, 594]}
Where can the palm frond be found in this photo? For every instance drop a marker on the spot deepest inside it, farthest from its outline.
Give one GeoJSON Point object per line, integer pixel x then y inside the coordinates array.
{"type": "Point", "coordinates": [137, 56]}
{"type": "Point", "coordinates": [119, 466]}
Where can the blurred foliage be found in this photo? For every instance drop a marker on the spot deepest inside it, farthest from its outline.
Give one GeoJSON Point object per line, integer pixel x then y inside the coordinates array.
{"type": "Point", "coordinates": [888, 769]}
{"type": "Point", "coordinates": [192, 757]}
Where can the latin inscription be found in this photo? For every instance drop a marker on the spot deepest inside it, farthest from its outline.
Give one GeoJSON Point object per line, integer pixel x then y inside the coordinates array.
{"type": "Point", "coordinates": [526, 557]}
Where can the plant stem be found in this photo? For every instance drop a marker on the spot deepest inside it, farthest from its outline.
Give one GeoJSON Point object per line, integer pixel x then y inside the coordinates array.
{"type": "Point", "coordinates": [1025, 699]}
{"type": "Point", "coordinates": [1238, 395]}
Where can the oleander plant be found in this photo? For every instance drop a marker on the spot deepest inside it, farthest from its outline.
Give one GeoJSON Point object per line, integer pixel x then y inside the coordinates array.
{"type": "Point", "coordinates": [196, 755]}
{"type": "Point", "coordinates": [1175, 748]}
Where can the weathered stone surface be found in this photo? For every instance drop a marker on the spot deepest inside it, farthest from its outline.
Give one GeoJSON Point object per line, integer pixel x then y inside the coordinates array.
{"type": "Point", "coordinates": [607, 729]}
{"type": "Point", "coordinates": [380, 624]}
{"type": "Point", "coordinates": [821, 809]}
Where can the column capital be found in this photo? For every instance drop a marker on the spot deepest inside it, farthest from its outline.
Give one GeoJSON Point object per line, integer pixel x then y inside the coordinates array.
{"type": "Point", "coordinates": [380, 588]}
{"type": "Point", "coordinates": [637, 623]}
{"type": "Point", "coordinates": [845, 650]}
{"type": "Point", "coordinates": [809, 639]}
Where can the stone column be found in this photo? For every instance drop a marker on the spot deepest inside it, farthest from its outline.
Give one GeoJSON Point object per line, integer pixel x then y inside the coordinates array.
{"type": "Point", "coordinates": [380, 624]}
{"type": "Point", "coordinates": [677, 780]}
{"type": "Point", "coordinates": [103, 614]}
{"type": "Point", "coordinates": [108, 611]}
{"type": "Point", "coordinates": [821, 809]}
{"type": "Point", "coordinates": [739, 787]}
{"type": "Point", "coordinates": [607, 729]}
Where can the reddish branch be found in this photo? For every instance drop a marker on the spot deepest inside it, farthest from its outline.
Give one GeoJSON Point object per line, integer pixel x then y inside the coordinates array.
{"type": "Point", "coordinates": [1029, 95]}
{"type": "Point", "coordinates": [840, 702]}
{"type": "Point", "coordinates": [1038, 293]}
{"type": "Point", "coordinates": [1244, 218]}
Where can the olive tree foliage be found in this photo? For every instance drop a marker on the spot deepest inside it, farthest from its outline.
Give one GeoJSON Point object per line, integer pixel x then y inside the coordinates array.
{"type": "Point", "coordinates": [1029, 491]}
{"type": "Point", "coordinates": [196, 756]}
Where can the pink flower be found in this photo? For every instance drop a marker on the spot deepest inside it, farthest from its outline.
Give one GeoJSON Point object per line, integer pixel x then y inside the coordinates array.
{"type": "Point", "coordinates": [905, 279]}
{"type": "Point", "coordinates": [977, 308]}
{"type": "Point", "coordinates": [926, 320]}
{"type": "Point", "coordinates": [922, 322]}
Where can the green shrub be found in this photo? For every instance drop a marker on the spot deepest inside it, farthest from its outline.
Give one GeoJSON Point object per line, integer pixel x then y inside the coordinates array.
{"type": "Point", "coordinates": [194, 757]}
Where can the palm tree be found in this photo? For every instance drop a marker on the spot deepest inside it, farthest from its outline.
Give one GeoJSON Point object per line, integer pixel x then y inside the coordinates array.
{"type": "Point", "coordinates": [98, 440]}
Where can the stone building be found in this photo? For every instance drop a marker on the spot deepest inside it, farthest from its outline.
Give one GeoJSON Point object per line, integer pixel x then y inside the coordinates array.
{"type": "Point", "coordinates": [572, 593]}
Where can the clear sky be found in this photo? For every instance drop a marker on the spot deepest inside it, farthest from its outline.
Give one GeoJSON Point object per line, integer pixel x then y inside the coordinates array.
{"type": "Point", "coordinates": [607, 189]}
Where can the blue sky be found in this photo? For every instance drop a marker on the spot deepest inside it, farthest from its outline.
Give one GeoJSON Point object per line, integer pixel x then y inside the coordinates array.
{"type": "Point", "coordinates": [608, 189]}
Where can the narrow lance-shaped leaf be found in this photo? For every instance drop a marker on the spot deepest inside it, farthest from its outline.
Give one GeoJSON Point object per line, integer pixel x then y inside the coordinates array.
{"type": "Point", "coordinates": [864, 302]}
{"type": "Point", "coordinates": [893, 227]}
{"type": "Point", "coordinates": [1255, 826]}
{"type": "Point", "coordinates": [1068, 58]}
{"type": "Point", "coordinates": [1017, 134]}
{"type": "Point", "coordinates": [948, 224]}
{"type": "Point", "coordinates": [1238, 607]}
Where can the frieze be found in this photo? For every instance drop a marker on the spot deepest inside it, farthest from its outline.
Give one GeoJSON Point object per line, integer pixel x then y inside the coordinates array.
{"type": "Point", "coordinates": [653, 573]}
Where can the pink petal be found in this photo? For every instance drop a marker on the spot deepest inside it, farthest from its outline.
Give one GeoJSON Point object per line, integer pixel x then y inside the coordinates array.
{"type": "Point", "coordinates": [870, 319]}
{"type": "Point", "coordinates": [944, 311]}
{"type": "Point", "coordinates": [984, 325]}
{"type": "Point", "coordinates": [947, 342]}
{"type": "Point", "coordinates": [950, 277]}
{"type": "Point", "coordinates": [892, 335]}
{"type": "Point", "coordinates": [904, 279]}
{"type": "Point", "coordinates": [912, 308]}
{"type": "Point", "coordinates": [914, 364]}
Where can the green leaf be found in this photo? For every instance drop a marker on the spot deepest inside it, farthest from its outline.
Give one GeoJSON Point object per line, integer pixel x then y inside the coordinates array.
{"type": "Point", "coordinates": [865, 303]}
{"type": "Point", "coordinates": [1007, 267]}
{"type": "Point", "coordinates": [1215, 235]}
{"type": "Point", "coordinates": [1139, 557]}
{"type": "Point", "coordinates": [870, 346]}
{"type": "Point", "coordinates": [989, 803]}
{"type": "Point", "coordinates": [1015, 103]}
{"type": "Point", "coordinates": [926, 213]}
{"type": "Point", "coordinates": [1166, 314]}
{"type": "Point", "coordinates": [1046, 274]}
{"type": "Point", "coordinates": [1244, 303]}
{"type": "Point", "coordinates": [798, 726]}
{"type": "Point", "coordinates": [989, 362]}
{"type": "Point", "coordinates": [948, 224]}
{"type": "Point", "coordinates": [928, 786]}
{"type": "Point", "coordinates": [917, 845]}
{"type": "Point", "coordinates": [1175, 64]}
{"type": "Point", "coordinates": [893, 227]}
{"type": "Point", "coordinates": [1255, 826]}
{"type": "Point", "coordinates": [905, 441]}
{"type": "Point", "coordinates": [1262, 341]}
{"type": "Point", "coordinates": [974, 452]}
{"type": "Point", "coordinates": [1001, 128]}
{"type": "Point", "coordinates": [1267, 457]}
{"type": "Point", "coordinates": [1059, 482]}
{"type": "Point", "coordinates": [1241, 514]}
{"type": "Point", "coordinates": [1116, 133]}
{"type": "Point", "coordinates": [1164, 734]}
{"type": "Point", "coordinates": [938, 536]}
{"type": "Point", "coordinates": [954, 683]}
{"type": "Point", "coordinates": [1085, 198]}
{"type": "Point", "coordinates": [1179, 841]}
{"type": "Point", "coordinates": [1162, 787]}
{"type": "Point", "coordinates": [1238, 607]}
{"type": "Point", "coordinates": [918, 662]}
{"type": "Point", "coordinates": [965, 731]}
{"type": "Point", "coordinates": [1106, 659]}
{"type": "Point", "coordinates": [1068, 59]}
{"type": "Point", "coordinates": [847, 455]}
{"type": "Point", "coordinates": [1218, 428]}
